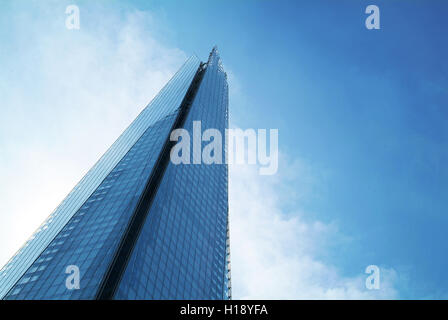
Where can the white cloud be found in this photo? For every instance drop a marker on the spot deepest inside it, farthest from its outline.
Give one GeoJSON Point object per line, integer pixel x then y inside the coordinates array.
{"type": "Point", "coordinates": [274, 254]}
{"type": "Point", "coordinates": [66, 96]}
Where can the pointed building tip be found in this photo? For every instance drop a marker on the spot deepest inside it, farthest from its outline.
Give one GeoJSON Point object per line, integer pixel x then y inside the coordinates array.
{"type": "Point", "coordinates": [214, 54]}
{"type": "Point", "coordinates": [214, 59]}
{"type": "Point", "coordinates": [214, 51]}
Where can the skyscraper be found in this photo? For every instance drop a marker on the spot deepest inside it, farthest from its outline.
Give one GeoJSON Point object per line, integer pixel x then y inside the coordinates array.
{"type": "Point", "coordinates": [138, 226]}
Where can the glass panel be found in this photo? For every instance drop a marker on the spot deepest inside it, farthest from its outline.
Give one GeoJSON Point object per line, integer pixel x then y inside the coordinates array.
{"type": "Point", "coordinates": [83, 200]}
{"type": "Point", "coordinates": [181, 251]}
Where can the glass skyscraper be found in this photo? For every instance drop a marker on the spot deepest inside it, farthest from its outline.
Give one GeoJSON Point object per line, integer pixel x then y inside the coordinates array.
{"type": "Point", "coordinates": [138, 226]}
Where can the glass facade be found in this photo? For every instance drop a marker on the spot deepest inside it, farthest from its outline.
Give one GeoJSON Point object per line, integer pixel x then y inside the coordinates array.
{"type": "Point", "coordinates": [181, 253]}
{"type": "Point", "coordinates": [181, 249]}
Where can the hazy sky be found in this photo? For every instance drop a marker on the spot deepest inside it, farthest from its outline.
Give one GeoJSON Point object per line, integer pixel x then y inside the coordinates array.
{"type": "Point", "coordinates": [361, 116]}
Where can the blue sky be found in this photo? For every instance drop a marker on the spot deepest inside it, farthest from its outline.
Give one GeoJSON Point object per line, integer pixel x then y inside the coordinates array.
{"type": "Point", "coordinates": [361, 116]}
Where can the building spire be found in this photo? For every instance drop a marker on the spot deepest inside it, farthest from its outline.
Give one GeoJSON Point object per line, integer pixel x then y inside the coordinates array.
{"type": "Point", "coordinates": [215, 60]}
{"type": "Point", "coordinates": [214, 55]}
